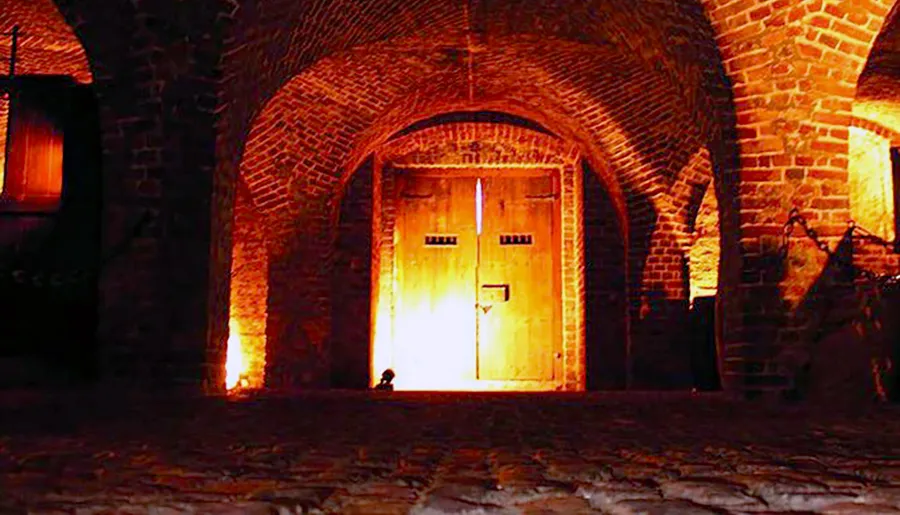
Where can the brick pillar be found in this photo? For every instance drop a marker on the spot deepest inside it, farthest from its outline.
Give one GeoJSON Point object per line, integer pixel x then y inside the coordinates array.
{"type": "Point", "coordinates": [351, 284]}
{"type": "Point", "coordinates": [794, 67]}
{"type": "Point", "coordinates": [299, 318]}
{"type": "Point", "coordinates": [249, 284]}
{"type": "Point", "coordinates": [163, 302]}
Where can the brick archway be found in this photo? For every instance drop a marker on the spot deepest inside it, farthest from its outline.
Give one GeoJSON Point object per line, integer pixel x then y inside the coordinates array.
{"type": "Point", "coordinates": [198, 89]}
{"type": "Point", "coordinates": [293, 150]}
{"type": "Point", "coordinates": [449, 145]}
{"type": "Point", "coordinates": [204, 93]}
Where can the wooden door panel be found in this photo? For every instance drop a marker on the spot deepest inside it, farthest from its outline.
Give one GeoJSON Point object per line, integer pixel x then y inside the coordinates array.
{"type": "Point", "coordinates": [517, 336]}
{"type": "Point", "coordinates": [436, 264]}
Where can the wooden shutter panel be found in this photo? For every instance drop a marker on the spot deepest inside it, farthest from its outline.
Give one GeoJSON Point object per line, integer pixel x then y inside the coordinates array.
{"type": "Point", "coordinates": [34, 170]}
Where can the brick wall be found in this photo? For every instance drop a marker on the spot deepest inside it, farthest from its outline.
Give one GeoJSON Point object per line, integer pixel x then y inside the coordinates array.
{"type": "Point", "coordinates": [249, 286]}
{"type": "Point", "coordinates": [351, 284]}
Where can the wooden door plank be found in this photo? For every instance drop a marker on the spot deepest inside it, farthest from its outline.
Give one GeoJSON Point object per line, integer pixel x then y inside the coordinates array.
{"type": "Point", "coordinates": [436, 249]}
{"type": "Point", "coordinates": [518, 337]}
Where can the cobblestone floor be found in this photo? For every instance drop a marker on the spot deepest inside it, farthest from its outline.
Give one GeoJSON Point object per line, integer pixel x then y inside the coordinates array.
{"type": "Point", "coordinates": [449, 453]}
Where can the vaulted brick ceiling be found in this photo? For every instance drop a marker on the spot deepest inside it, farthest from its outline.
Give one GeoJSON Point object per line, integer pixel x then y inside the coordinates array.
{"type": "Point", "coordinates": [278, 39]}
{"type": "Point", "coordinates": [629, 83]}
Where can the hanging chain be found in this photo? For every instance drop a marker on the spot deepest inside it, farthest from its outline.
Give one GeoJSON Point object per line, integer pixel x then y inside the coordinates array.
{"type": "Point", "coordinates": [869, 325]}
{"type": "Point", "coordinates": [856, 233]}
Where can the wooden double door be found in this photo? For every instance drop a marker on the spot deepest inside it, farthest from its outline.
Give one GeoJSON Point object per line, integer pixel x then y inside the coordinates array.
{"type": "Point", "coordinates": [477, 301]}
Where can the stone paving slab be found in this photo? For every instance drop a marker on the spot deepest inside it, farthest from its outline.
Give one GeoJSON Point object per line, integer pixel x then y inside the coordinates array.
{"type": "Point", "coordinates": [386, 453]}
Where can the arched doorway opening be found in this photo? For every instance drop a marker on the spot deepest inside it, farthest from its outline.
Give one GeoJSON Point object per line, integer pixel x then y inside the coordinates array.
{"type": "Point", "coordinates": [459, 310]}
{"type": "Point", "coordinates": [325, 114]}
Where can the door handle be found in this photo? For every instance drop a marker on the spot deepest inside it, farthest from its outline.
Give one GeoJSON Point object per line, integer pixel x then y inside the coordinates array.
{"type": "Point", "coordinates": [485, 308]}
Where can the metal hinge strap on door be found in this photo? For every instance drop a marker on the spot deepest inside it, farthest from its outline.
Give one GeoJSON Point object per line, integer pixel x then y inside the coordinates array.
{"type": "Point", "coordinates": [417, 195]}
{"type": "Point", "coordinates": [546, 196]}
{"type": "Point", "coordinates": [553, 195]}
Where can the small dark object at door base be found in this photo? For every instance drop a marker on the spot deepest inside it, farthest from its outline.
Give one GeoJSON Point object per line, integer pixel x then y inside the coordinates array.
{"type": "Point", "coordinates": [385, 384]}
